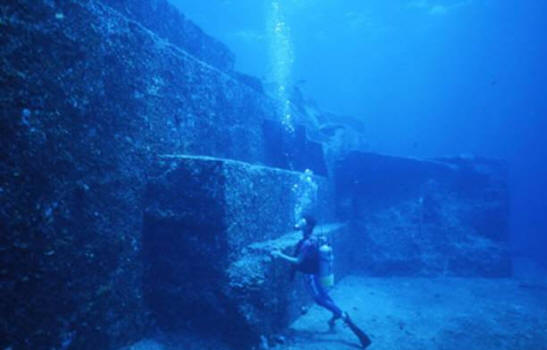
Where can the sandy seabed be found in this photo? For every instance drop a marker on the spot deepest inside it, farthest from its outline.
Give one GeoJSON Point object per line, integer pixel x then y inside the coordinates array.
{"type": "Point", "coordinates": [412, 313]}
{"type": "Point", "coordinates": [424, 313]}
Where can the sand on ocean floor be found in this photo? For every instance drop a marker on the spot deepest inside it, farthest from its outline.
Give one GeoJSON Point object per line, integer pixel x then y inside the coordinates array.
{"type": "Point", "coordinates": [410, 313]}
{"type": "Point", "coordinates": [424, 313]}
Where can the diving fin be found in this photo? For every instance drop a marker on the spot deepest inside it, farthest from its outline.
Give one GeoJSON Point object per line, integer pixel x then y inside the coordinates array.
{"type": "Point", "coordinates": [363, 338]}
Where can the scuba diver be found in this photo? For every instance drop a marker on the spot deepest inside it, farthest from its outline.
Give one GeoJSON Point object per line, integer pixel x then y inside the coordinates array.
{"type": "Point", "coordinates": [313, 257]}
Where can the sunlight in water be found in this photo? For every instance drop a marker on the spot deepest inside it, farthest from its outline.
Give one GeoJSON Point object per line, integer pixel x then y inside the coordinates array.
{"type": "Point", "coordinates": [282, 57]}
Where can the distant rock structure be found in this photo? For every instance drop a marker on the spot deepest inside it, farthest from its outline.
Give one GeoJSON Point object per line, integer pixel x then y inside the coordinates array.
{"type": "Point", "coordinates": [442, 217]}
{"type": "Point", "coordinates": [143, 182]}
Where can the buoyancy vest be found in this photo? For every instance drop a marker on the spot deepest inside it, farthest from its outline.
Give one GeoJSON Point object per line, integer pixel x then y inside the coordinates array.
{"type": "Point", "coordinates": [308, 248]}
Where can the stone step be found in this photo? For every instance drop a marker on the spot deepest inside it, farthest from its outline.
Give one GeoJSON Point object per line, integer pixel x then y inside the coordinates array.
{"type": "Point", "coordinates": [261, 287]}
{"type": "Point", "coordinates": [446, 217]}
{"type": "Point", "coordinates": [233, 201]}
{"type": "Point", "coordinates": [207, 229]}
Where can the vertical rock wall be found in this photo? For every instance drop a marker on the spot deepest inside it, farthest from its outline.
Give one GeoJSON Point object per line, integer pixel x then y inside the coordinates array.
{"type": "Point", "coordinates": [167, 22]}
{"type": "Point", "coordinates": [427, 218]}
{"type": "Point", "coordinates": [90, 98]}
{"type": "Point", "coordinates": [210, 225]}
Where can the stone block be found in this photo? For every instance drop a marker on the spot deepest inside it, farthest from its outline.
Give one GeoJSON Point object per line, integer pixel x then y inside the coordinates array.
{"type": "Point", "coordinates": [90, 97]}
{"type": "Point", "coordinates": [204, 220]}
{"type": "Point", "coordinates": [428, 218]}
{"type": "Point", "coordinates": [294, 150]}
{"type": "Point", "coordinates": [166, 21]}
{"type": "Point", "coordinates": [262, 288]}
{"type": "Point", "coordinates": [370, 181]}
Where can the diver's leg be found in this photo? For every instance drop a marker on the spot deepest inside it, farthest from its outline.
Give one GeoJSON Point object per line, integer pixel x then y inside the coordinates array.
{"type": "Point", "coordinates": [329, 304]}
{"type": "Point", "coordinates": [322, 298]}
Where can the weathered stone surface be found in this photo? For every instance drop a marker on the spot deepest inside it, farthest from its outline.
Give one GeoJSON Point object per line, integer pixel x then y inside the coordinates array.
{"type": "Point", "coordinates": [203, 220]}
{"type": "Point", "coordinates": [261, 288]}
{"type": "Point", "coordinates": [154, 97]}
{"type": "Point", "coordinates": [426, 218]}
{"type": "Point", "coordinates": [89, 98]}
{"type": "Point", "coordinates": [254, 203]}
{"type": "Point", "coordinates": [166, 21]}
{"type": "Point", "coordinates": [292, 150]}
{"type": "Point", "coordinates": [367, 181]}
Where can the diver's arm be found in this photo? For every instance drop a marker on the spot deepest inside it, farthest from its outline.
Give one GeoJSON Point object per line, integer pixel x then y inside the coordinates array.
{"type": "Point", "coordinates": [291, 259]}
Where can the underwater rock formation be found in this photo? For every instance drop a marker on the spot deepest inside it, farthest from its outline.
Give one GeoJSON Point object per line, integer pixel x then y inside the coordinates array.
{"type": "Point", "coordinates": [209, 227]}
{"type": "Point", "coordinates": [292, 151]}
{"type": "Point", "coordinates": [105, 236]}
{"type": "Point", "coordinates": [426, 218]}
{"type": "Point", "coordinates": [167, 22]}
{"type": "Point", "coordinates": [90, 98]}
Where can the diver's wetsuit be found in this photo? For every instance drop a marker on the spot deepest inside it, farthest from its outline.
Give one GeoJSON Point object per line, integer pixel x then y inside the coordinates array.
{"type": "Point", "coordinates": [321, 296]}
{"type": "Point", "coordinates": [307, 248]}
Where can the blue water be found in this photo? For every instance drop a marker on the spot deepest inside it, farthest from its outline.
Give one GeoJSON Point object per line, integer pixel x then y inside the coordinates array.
{"type": "Point", "coordinates": [149, 188]}
{"type": "Point", "coordinates": [427, 78]}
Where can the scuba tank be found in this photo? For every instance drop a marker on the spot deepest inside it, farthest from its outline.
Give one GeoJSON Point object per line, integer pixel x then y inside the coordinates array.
{"type": "Point", "coordinates": [326, 262]}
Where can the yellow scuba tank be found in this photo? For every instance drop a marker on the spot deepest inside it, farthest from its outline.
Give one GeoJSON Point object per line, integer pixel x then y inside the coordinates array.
{"type": "Point", "coordinates": [326, 262]}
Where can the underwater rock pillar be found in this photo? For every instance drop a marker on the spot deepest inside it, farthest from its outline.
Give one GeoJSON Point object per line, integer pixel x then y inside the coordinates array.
{"type": "Point", "coordinates": [206, 220]}
{"type": "Point", "coordinates": [442, 217]}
